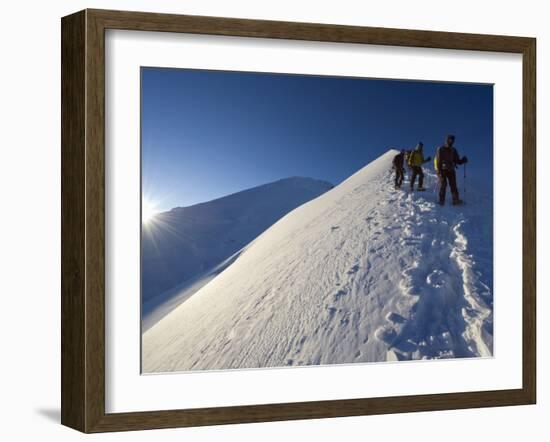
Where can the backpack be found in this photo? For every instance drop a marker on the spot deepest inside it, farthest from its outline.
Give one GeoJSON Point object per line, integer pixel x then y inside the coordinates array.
{"type": "Point", "coordinates": [398, 161]}
{"type": "Point", "coordinates": [416, 158]}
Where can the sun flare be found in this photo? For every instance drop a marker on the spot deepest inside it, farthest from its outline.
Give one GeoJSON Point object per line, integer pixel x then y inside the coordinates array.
{"type": "Point", "coordinates": [148, 210]}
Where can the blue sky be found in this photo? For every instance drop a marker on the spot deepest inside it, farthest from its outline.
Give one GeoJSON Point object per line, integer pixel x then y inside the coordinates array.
{"type": "Point", "coordinates": [206, 134]}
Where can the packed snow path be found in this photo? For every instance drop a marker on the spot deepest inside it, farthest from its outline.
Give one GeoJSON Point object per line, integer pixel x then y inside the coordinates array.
{"type": "Point", "coordinates": [363, 273]}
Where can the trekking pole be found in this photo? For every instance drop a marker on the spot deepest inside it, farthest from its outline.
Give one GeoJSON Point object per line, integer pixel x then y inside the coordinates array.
{"type": "Point", "coordinates": [464, 181]}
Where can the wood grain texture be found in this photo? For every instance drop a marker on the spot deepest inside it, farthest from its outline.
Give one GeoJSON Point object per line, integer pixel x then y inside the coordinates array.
{"type": "Point", "coordinates": [83, 220]}
{"type": "Point", "coordinates": [144, 21]}
{"type": "Point", "coordinates": [529, 221]}
{"type": "Point", "coordinates": [95, 222]}
{"type": "Point", "coordinates": [73, 128]}
{"type": "Point", "coordinates": [308, 410]}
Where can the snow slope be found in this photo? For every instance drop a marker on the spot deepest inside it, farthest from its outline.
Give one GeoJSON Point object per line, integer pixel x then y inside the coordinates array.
{"type": "Point", "coordinates": [184, 242]}
{"type": "Point", "coordinates": [363, 273]}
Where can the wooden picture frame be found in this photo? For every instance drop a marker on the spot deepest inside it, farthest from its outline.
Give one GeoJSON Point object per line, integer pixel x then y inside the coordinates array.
{"type": "Point", "coordinates": [83, 220]}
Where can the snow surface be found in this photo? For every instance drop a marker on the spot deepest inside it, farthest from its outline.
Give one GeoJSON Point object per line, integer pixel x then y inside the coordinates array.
{"type": "Point", "coordinates": [363, 273]}
{"type": "Point", "coordinates": [185, 242]}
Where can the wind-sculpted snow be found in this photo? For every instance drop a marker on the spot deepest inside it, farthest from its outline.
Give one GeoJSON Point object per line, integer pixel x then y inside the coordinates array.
{"type": "Point", "coordinates": [185, 242]}
{"type": "Point", "coordinates": [363, 273]}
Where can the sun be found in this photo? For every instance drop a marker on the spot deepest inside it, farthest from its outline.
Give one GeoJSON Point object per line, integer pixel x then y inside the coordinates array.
{"type": "Point", "coordinates": [148, 210]}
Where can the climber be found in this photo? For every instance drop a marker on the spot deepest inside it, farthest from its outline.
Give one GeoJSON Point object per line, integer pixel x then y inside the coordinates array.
{"type": "Point", "coordinates": [445, 162]}
{"type": "Point", "coordinates": [398, 162]}
{"type": "Point", "coordinates": [416, 160]}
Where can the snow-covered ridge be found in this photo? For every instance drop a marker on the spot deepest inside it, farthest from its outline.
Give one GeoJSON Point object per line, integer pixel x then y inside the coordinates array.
{"type": "Point", "coordinates": [363, 273]}
{"type": "Point", "coordinates": [184, 242]}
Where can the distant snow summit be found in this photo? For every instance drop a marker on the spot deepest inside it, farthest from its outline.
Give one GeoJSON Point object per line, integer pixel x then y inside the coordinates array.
{"type": "Point", "coordinates": [185, 242]}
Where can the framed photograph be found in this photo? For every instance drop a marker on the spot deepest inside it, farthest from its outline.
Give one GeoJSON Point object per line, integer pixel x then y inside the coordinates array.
{"type": "Point", "coordinates": [269, 220]}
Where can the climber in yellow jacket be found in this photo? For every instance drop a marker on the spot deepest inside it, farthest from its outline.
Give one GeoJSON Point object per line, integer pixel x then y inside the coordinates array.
{"type": "Point", "coordinates": [416, 160]}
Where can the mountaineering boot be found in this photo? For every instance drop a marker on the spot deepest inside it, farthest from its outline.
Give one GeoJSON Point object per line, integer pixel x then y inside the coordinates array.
{"type": "Point", "coordinates": [441, 202]}
{"type": "Point", "coordinates": [457, 202]}
{"type": "Point", "coordinates": [421, 189]}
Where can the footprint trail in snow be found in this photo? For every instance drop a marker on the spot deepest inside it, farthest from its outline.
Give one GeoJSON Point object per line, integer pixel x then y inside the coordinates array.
{"type": "Point", "coordinates": [363, 273]}
{"type": "Point", "coordinates": [444, 307]}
